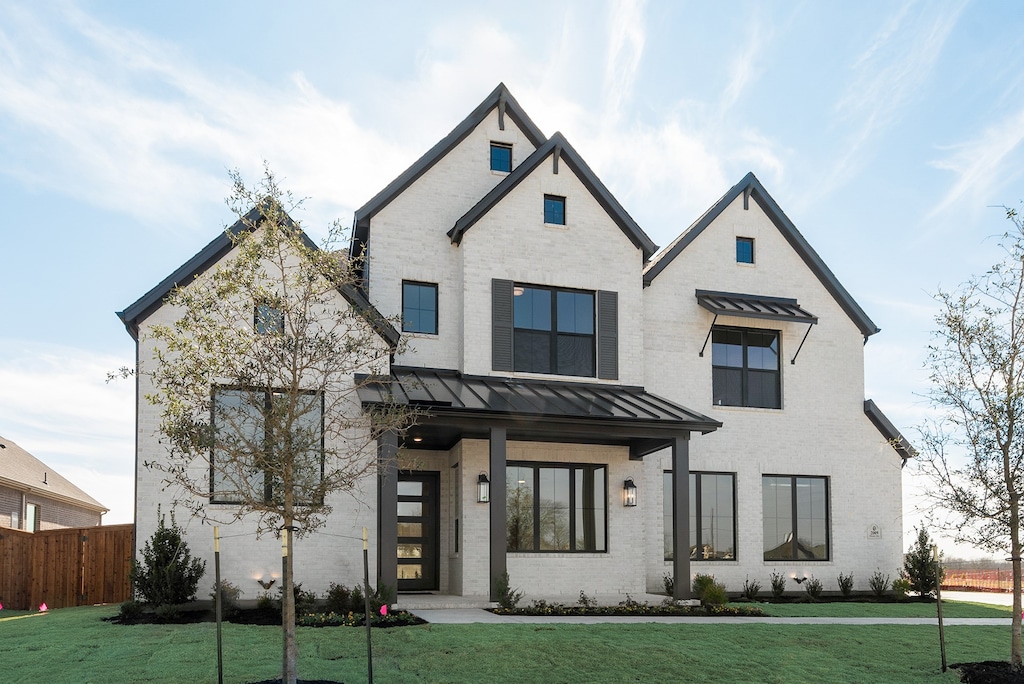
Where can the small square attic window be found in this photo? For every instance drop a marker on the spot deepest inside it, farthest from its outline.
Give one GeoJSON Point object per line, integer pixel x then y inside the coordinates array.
{"type": "Point", "coordinates": [501, 157]}
{"type": "Point", "coordinates": [554, 210]}
{"type": "Point", "coordinates": [744, 250]}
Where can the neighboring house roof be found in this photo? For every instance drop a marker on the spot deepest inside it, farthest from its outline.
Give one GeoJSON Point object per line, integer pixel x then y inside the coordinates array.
{"type": "Point", "coordinates": [217, 250]}
{"type": "Point", "coordinates": [24, 472]}
{"type": "Point", "coordinates": [749, 187]}
{"type": "Point", "coordinates": [904, 448]}
{"type": "Point", "coordinates": [564, 153]}
{"type": "Point", "coordinates": [551, 410]}
{"type": "Point", "coordinates": [500, 99]}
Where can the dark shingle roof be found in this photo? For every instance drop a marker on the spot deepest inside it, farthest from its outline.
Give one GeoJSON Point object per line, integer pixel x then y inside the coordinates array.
{"type": "Point", "coordinates": [24, 472]}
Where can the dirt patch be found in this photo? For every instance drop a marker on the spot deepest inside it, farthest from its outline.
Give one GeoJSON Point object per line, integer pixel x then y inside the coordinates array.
{"type": "Point", "coordinates": [989, 672]}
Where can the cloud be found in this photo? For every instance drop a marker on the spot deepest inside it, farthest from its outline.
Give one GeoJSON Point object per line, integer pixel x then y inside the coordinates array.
{"type": "Point", "coordinates": [625, 48]}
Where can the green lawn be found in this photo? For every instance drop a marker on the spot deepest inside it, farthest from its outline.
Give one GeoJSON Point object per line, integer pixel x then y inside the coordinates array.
{"type": "Point", "coordinates": [950, 609]}
{"type": "Point", "coordinates": [74, 645]}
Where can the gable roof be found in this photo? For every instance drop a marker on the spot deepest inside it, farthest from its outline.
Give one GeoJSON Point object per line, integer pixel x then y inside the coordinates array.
{"type": "Point", "coordinates": [565, 152]}
{"type": "Point", "coordinates": [750, 187]}
{"type": "Point", "coordinates": [500, 99]}
{"type": "Point", "coordinates": [898, 442]}
{"type": "Point", "coordinates": [214, 252]}
{"type": "Point", "coordinates": [24, 472]}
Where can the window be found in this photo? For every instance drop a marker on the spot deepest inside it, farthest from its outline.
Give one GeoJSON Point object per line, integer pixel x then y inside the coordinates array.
{"type": "Point", "coordinates": [501, 157]}
{"type": "Point", "coordinates": [795, 517]}
{"type": "Point", "coordinates": [249, 437]}
{"type": "Point", "coordinates": [745, 368]}
{"type": "Point", "coordinates": [555, 507]}
{"type": "Point", "coordinates": [419, 307]}
{"type": "Point", "coordinates": [713, 533]}
{"type": "Point", "coordinates": [744, 250]}
{"type": "Point", "coordinates": [554, 210]}
{"type": "Point", "coordinates": [268, 320]}
{"type": "Point", "coordinates": [553, 331]}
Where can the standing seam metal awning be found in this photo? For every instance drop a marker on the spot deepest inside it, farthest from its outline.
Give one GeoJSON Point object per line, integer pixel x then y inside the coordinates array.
{"type": "Point", "coordinates": [754, 306]}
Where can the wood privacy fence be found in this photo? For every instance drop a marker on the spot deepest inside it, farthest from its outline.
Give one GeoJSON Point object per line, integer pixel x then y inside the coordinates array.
{"type": "Point", "coordinates": [71, 567]}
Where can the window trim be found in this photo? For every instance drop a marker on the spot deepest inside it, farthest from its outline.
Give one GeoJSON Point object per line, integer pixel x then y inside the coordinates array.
{"type": "Point", "coordinates": [422, 284]}
{"type": "Point", "coordinates": [503, 146]}
{"type": "Point", "coordinates": [745, 369]}
{"type": "Point", "coordinates": [267, 486]}
{"type": "Point", "coordinates": [557, 199]}
{"type": "Point", "coordinates": [747, 241]}
{"type": "Point", "coordinates": [695, 502]}
{"type": "Point", "coordinates": [796, 516]}
{"type": "Point", "coordinates": [553, 332]}
{"type": "Point", "coordinates": [536, 466]}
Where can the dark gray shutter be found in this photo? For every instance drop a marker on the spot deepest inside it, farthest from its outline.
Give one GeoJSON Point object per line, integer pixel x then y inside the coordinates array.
{"type": "Point", "coordinates": [607, 335]}
{"type": "Point", "coordinates": [501, 325]}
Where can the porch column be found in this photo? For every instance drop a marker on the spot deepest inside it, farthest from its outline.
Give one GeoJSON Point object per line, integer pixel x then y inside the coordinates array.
{"type": "Point", "coordinates": [387, 510]}
{"type": "Point", "coordinates": [681, 516]}
{"type": "Point", "coordinates": [497, 506]}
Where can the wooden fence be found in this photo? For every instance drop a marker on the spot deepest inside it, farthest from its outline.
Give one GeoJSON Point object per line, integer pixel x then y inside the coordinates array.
{"type": "Point", "coordinates": [71, 567]}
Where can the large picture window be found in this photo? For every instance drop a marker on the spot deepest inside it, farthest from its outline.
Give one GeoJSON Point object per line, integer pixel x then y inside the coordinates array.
{"type": "Point", "coordinates": [745, 368]}
{"type": "Point", "coordinates": [795, 516]}
{"type": "Point", "coordinates": [253, 432]}
{"type": "Point", "coordinates": [713, 531]}
{"type": "Point", "coordinates": [555, 507]}
{"type": "Point", "coordinates": [553, 331]}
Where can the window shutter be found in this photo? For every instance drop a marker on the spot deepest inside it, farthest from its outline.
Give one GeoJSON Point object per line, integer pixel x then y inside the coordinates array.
{"type": "Point", "coordinates": [501, 325]}
{"type": "Point", "coordinates": [607, 335]}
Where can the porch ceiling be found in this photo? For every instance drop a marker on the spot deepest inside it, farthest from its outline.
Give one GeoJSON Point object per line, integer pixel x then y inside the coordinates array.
{"type": "Point", "coordinates": [456, 406]}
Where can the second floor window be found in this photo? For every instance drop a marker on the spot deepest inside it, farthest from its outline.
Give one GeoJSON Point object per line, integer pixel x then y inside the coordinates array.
{"type": "Point", "coordinates": [553, 331]}
{"type": "Point", "coordinates": [501, 157]}
{"type": "Point", "coordinates": [554, 210]}
{"type": "Point", "coordinates": [419, 307]}
{"type": "Point", "coordinates": [745, 368]}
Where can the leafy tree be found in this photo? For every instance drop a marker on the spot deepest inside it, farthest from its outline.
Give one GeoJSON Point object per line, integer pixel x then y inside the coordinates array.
{"type": "Point", "coordinates": [918, 565]}
{"type": "Point", "coordinates": [276, 332]}
{"type": "Point", "coordinates": [167, 575]}
{"type": "Point", "coordinates": [974, 453]}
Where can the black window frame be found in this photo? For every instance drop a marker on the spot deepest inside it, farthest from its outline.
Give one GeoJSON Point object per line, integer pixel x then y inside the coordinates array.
{"type": "Point", "coordinates": [600, 541]}
{"type": "Point", "coordinates": [696, 499]}
{"type": "Point", "coordinates": [504, 147]}
{"type": "Point", "coordinates": [519, 335]}
{"type": "Point", "coordinates": [746, 372]}
{"type": "Point", "coordinates": [554, 200]}
{"type": "Point", "coordinates": [795, 517]}
{"type": "Point", "coordinates": [406, 327]}
{"type": "Point", "coordinates": [744, 241]}
{"type": "Point", "coordinates": [268, 484]}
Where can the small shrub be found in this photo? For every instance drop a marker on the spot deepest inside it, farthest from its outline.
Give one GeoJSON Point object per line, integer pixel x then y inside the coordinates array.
{"type": "Point", "coordinates": [845, 584]}
{"type": "Point", "coordinates": [305, 601]}
{"type": "Point", "coordinates": [813, 588]}
{"type": "Point", "coordinates": [778, 581]}
{"type": "Point", "coordinates": [701, 583]}
{"type": "Point", "coordinates": [918, 567]}
{"type": "Point", "coordinates": [264, 603]}
{"type": "Point", "coordinates": [632, 604]}
{"type": "Point", "coordinates": [168, 612]}
{"type": "Point", "coordinates": [879, 583]}
{"type": "Point", "coordinates": [669, 580]}
{"type": "Point", "coordinates": [338, 599]}
{"type": "Point", "coordinates": [751, 589]}
{"type": "Point", "coordinates": [357, 599]}
{"type": "Point", "coordinates": [709, 591]}
{"type": "Point", "coordinates": [586, 601]}
{"type": "Point", "coordinates": [383, 595]}
{"type": "Point", "coordinates": [229, 594]}
{"type": "Point", "coordinates": [167, 575]}
{"type": "Point", "coordinates": [129, 610]}
{"type": "Point", "coordinates": [508, 597]}
{"type": "Point", "coordinates": [901, 586]}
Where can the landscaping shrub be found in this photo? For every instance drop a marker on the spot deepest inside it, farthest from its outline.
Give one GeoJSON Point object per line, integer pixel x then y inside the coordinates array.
{"type": "Point", "coordinates": [813, 588]}
{"type": "Point", "coordinates": [383, 595]}
{"type": "Point", "coordinates": [846, 584]}
{"type": "Point", "coordinates": [264, 603]}
{"type": "Point", "coordinates": [900, 587]}
{"type": "Point", "coordinates": [918, 567]}
{"type": "Point", "coordinates": [167, 575]}
{"type": "Point", "coordinates": [339, 599]}
{"type": "Point", "coordinates": [778, 584]}
{"type": "Point", "coordinates": [751, 589]}
{"type": "Point", "coordinates": [669, 580]}
{"type": "Point", "coordinates": [305, 601]}
{"type": "Point", "coordinates": [709, 591]}
{"type": "Point", "coordinates": [229, 594]}
{"type": "Point", "coordinates": [508, 597]}
{"type": "Point", "coordinates": [129, 610]}
{"type": "Point", "coordinates": [586, 601]}
{"type": "Point", "coordinates": [167, 612]}
{"type": "Point", "coordinates": [879, 583]}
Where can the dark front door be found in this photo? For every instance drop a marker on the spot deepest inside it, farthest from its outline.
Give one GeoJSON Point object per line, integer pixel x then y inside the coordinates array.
{"type": "Point", "coordinates": [418, 522]}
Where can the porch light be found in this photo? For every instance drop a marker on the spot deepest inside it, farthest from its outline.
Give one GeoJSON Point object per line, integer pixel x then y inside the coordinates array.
{"type": "Point", "coordinates": [629, 493]}
{"type": "Point", "coordinates": [483, 489]}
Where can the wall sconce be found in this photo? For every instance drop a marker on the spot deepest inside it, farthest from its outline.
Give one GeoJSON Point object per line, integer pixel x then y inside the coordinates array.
{"type": "Point", "coordinates": [628, 493]}
{"type": "Point", "coordinates": [483, 489]}
{"type": "Point", "coordinates": [265, 583]}
{"type": "Point", "coordinates": [799, 580]}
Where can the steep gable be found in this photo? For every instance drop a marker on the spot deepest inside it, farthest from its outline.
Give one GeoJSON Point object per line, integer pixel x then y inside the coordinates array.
{"type": "Point", "coordinates": [750, 188]}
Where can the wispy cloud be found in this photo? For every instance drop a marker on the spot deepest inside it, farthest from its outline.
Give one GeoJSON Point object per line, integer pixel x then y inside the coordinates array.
{"type": "Point", "coordinates": [625, 49]}
{"type": "Point", "coordinates": [745, 66]}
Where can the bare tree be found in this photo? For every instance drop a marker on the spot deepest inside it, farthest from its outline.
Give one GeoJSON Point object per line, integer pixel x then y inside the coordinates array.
{"type": "Point", "coordinates": [256, 380]}
{"type": "Point", "coordinates": [974, 451]}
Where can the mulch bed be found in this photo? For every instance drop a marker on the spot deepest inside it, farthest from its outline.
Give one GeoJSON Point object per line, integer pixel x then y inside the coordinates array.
{"type": "Point", "coordinates": [988, 672]}
{"type": "Point", "coordinates": [254, 616]}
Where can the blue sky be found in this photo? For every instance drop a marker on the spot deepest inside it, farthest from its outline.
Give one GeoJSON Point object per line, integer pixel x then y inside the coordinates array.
{"type": "Point", "coordinates": [886, 131]}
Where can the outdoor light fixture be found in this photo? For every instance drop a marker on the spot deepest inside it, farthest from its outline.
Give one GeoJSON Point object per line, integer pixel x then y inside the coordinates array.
{"type": "Point", "coordinates": [265, 583]}
{"type": "Point", "coordinates": [483, 489]}
{"type": "Point", "coordinates": [628, 493]}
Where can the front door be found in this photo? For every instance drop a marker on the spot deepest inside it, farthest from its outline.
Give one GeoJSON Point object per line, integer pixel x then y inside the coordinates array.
{"type": "Point", "coordinates": [418, 523]}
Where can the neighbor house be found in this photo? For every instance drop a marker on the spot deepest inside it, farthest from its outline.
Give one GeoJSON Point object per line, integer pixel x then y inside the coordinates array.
{"type": "Point", "coordinates": [596, 415]}
{"type": "Point", "coordinates": [35, 497]}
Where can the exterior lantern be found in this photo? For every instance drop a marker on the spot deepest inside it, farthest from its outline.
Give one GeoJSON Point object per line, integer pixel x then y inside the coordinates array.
{"type": "Point", "coordinates": [629, 493]}
{"type": "Point", "coordinates": [483, 489]}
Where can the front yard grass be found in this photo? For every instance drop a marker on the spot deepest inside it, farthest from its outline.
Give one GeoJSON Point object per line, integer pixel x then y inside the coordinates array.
{"type": "Point", "coordinates": [75, 645]}
{"type": "Point", "coordinates": [911, 609]}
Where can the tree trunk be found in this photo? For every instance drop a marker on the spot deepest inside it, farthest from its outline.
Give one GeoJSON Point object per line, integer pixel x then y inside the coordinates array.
{"type": "Point", "coordinates": [1015, 550]}
{"type": "Point", "coordinates": [291, 651]}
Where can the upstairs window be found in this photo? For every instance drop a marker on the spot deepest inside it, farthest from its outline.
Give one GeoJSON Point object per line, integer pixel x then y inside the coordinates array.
{"type": "Point", "coordinates": [744, 250]}
{"type": "Point", "coordinates": [419, 307]}
{"type": "Point", "coordinates": [553, 331]}
{"type": "Point", "coordinates": [745, 368]}
{"type": "Point", "coordinates": [268, 320]}
{"type": "Point", "coordinates": [501, 157]}
{"type": "Point", "coordinates": [554, 210]}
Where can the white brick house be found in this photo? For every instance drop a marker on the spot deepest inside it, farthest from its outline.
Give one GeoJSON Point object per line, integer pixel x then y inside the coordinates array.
{"type": "Point", "coordinates": [563, 364]}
